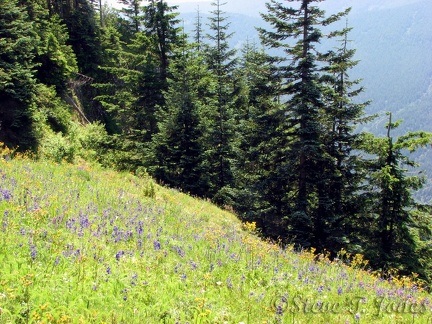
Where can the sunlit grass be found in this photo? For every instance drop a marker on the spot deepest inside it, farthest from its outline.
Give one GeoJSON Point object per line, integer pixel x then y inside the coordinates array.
{"type": "Point", "coordinates": [84, 245]}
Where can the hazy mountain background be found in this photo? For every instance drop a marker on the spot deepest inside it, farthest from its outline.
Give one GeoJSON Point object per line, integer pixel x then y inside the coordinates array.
{"type": "Point", "coordinates": [393, 39]}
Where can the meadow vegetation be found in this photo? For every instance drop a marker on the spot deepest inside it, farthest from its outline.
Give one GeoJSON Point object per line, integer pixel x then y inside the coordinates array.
{"type": "Point", "coordinates": [82, 244]}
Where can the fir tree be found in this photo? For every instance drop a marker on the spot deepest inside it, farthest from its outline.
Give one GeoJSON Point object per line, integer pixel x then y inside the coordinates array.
{"type": "Point", "coordinates": [260, 145]}
{"type": "Point", "coordinates": [178, 150]}
{"type": "Point", "coordinates": [133, 14]}
{"type": "Point", "coordinates": [122, 93]}
{"type": "Point", "coordinates": [342, 172]}
{"type": "Point", "coordinates": [161, 26]}
{"type": "Point", "coordinates": [298, 33]}
{"type": "Point", "coordinates": [198, 30]}
{"type": "Point", "coordinates": [219, 136]}
{"type": "Point", "coordinates": [400, 232]}
{"type": "Point", "coordinates": [57, 61]}
{"type": "Point", "coordinates": [18, 47]}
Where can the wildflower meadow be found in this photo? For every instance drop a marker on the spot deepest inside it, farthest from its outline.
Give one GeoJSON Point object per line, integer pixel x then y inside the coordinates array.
{"type": "Point", "coordinates": [79, 244]}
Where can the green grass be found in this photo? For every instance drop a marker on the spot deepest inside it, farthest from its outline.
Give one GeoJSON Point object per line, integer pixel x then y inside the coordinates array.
{"type": "Point", "coordinates": [83, 245]}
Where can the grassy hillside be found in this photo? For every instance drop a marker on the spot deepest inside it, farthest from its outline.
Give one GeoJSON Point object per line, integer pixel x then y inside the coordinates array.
{"type": "Point", "coordinates": [83, 245]}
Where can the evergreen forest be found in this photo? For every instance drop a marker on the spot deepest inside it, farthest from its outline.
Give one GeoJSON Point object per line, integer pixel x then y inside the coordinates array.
{"type": "Point", "coordinates": [275, 131]}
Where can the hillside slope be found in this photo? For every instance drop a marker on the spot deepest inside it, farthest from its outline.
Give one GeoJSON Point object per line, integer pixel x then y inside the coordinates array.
{"type": "Point", "coordinates": [83, 245]}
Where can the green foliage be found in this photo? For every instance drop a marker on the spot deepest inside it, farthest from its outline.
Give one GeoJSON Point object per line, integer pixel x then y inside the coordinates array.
{"type": "Point", "coordinates": [83, 36]}
{"type": "Point", "coordinates": [134, 78]}
{"type": "Point", "coordinates": [49, 112]}
{"type": "Point", "coordinates": [219, 123]}
{"type": "Point", "coordinates": [57, 148]}
{"type": "Point", "coordinates": [261, 142]}
{"type": "Point", "coordinates": [91, 140]}
{"type": "Point", "coordinates": [86, 142]}
{"type": "Point", "coordinates": [318, 127]}
{"type": "Point", "coordinates": [133, 16]}
{"type": "Point", "coordinates": [18, 43]}
{"type": "Point", "coordinates": [177, 147]}
{"type": "Point", "coordinates": [57, 61]}
{"type": "Point", "coordinates": [400, 232]}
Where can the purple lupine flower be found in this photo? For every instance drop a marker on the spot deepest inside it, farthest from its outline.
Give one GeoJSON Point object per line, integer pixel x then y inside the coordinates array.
{"type": "Point", "coordinates": [279, 310]}
{"type": "Point", "coordinates": [33, 252]}
{"type": "Point", "coordinates": [180, 252]}
{"type": "Point", "coordinates": [119, 254]}
{"type": "Point", "coordinates": [229, 283]}
{"type": "Point", "coordinates": [140, 230]}
{"type": "Point", "coordinates": [193, 265]}
{"type": "Point", "coordinates": [124, 291]}
{"type": "Point", "coordinates": [6, 194]}
{"type": "Point", "coordinates": [156, 245]}
{"type": "Point", "coordinates": [108, 270]}
{"type": "Point", "coordinates": [134, 279]}
{"type": "Point", "coordinates": [357, 317]}
{"type": "Point", "coordinates": [340, 291]}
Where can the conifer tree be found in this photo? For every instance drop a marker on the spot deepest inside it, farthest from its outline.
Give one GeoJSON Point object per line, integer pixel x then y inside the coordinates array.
{"type": "Point", "coordinates": [260, 145]}
{"type": "Point", "coordinates": [160, 27]}
{"type": "Point", "coordinates": [18, 47]}
{"type": "Point", "coordinates": [298, 33]}
{"type": "Point", "coordinates": [121, 93]}
{"type": "Point", "coordinates": [80, 19]}
{"type": "Point", "coordinates": [198, 30]}
{"type": "Point", "coordinates": [219, 136]}
{"type": "Point", "coordinates": [399, 234]}
{"type": "Point", "coordinates": [178, 151]}
{"type": "Point", "coordinates": [57, 61]}
{"type": "Point", "coordinates": [343, 172]}
{"type": "Point", "coordinates": [133, 16]}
